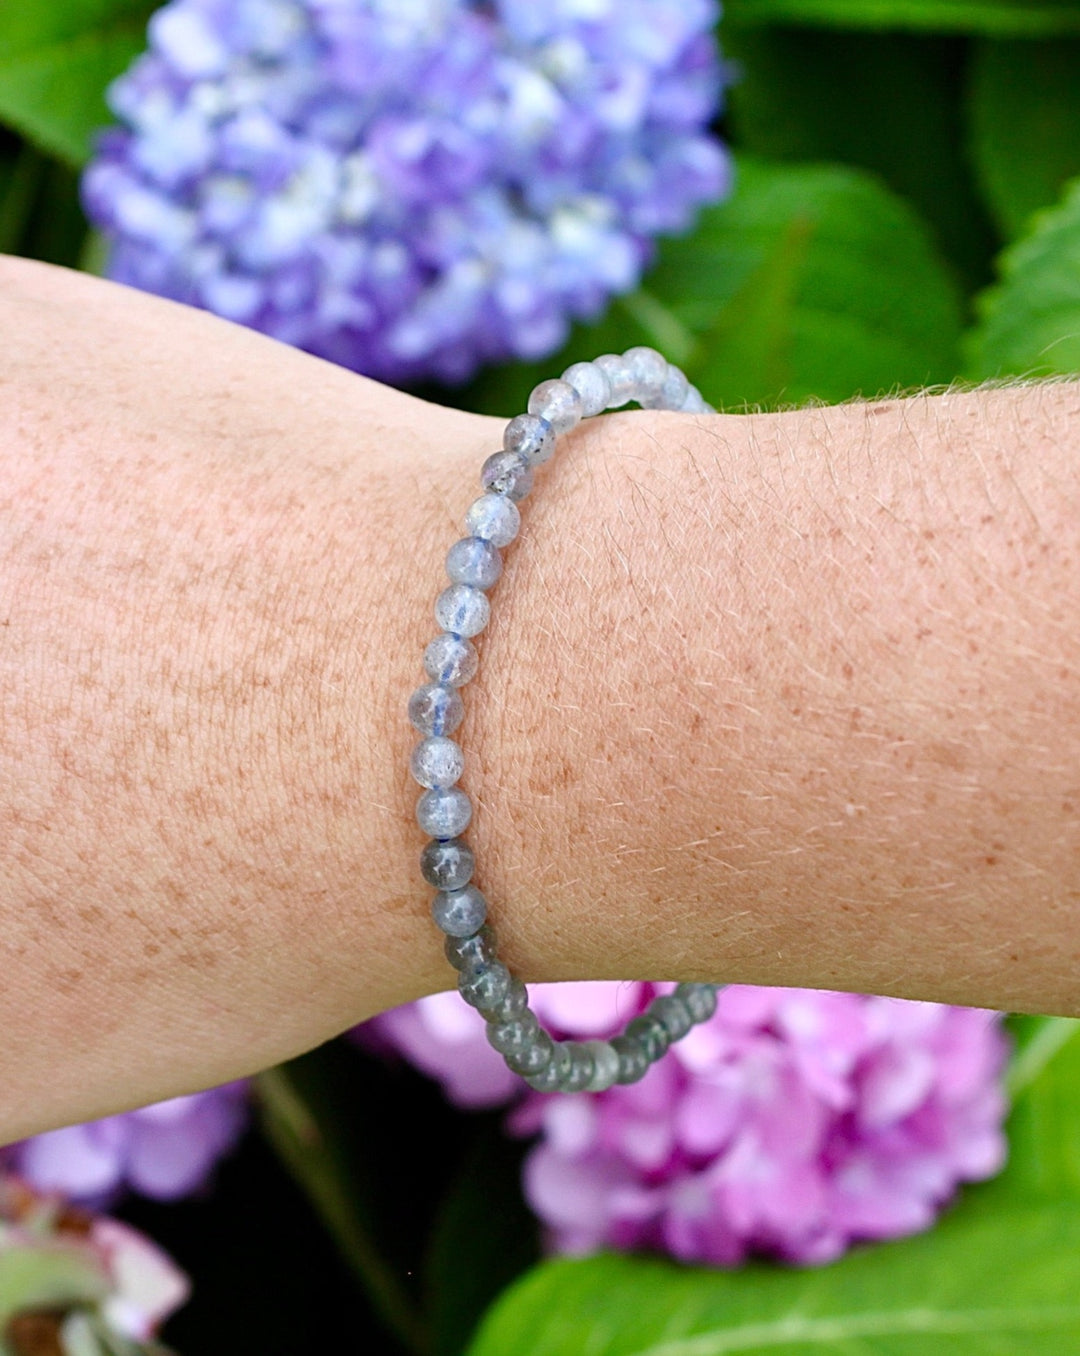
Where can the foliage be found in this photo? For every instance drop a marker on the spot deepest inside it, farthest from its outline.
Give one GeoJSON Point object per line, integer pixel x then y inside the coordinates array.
{"type": "Point", "coordinates": [903, 215]}
{"type": "Point", "coordinates": [1030, 323]}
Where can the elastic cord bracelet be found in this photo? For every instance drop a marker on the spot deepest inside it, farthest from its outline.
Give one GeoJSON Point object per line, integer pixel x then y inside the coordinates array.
{"type": "Point", "coordinates": [473, 564]}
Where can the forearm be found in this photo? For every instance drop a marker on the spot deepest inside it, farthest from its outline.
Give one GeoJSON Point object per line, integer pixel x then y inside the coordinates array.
{"type": "Point", "coordinates": [780, 699]}
{"type": "Point", "coordinates": [803, 708]}
{"type": "Point", "coordinates": [212, 564]}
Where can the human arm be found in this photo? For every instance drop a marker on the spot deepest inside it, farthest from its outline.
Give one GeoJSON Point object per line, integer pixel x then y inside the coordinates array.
{"type": "Point", "coordinates": [782, 699]}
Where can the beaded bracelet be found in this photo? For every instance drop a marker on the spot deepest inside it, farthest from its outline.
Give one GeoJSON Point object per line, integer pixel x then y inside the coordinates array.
{"type": "Point", "coordinates": [435, 709]}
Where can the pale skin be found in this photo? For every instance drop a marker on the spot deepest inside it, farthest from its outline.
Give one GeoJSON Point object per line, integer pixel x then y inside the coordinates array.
{"type": "Point", "coordinates": [781, 699]}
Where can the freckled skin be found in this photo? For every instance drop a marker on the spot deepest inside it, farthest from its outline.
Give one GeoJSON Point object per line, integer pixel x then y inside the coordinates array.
{"type": "Point", "coordinates": [782, 699]}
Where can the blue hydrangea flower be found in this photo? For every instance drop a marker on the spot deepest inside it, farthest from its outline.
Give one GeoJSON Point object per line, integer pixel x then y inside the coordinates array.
{"type": "Point", "coordinates": [408, 187]}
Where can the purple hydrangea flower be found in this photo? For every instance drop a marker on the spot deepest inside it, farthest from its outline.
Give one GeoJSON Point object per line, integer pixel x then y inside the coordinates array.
{"type": "Point", "coordinates": [408, 187]}
{"type": "Point", "coordinates": [792, 1123]}
{"type": "Point", "coordinates": [165, 1151]}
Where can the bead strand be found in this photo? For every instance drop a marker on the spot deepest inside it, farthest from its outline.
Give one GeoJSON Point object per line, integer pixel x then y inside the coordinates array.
{"type": "Point", "coordinates": [473, 566]}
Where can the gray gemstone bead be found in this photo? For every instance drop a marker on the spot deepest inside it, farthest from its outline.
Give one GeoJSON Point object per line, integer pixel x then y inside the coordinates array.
{"type": "Point", "coordinates": [674, 1014]}
{"type": "Point", "coordinates": [484, 986]}
{"type": "Point", "coordinates": [535, 1058]}
{"type": "Point", "coordinates": [619, 376]}
{"type": "Point", "coordinates": [700, 1000]}
{"type": "Point", "coordinates": [437, 761]}
{"type": "Point", "coordinates": [557, 402]}
{"type": "Point", "coordinates": [495, 518]}
{"type": "Point", "coordinates": [507, 473]}
{"type": "Point", "coordinates": [465, 953]}
{"type": "Point", "coordinates": [530, 437]}
{"type": "Point", "coordinates": [462, 609]}
{"type": "Point", "coordinates": [633, 1061]}
{"type": "Point", "coordinates": [581, 1068]}
{"type": "Point", "coordinates": [695, 403]}
{"type": "Point", "coordinates": [651, 1034]}
{"type": "Point", "coordinates": [550, 1079]}
{"type": "Point", "coordinates": [511, 1005]}
{"type": "Point", "coordinates": [473, 561]}
{"type": "Point", "coordinates": [451, 659]}
{"type": "Point", "coordinates": [591, 385]}
{"type": "Point", "coordinates": [444, 812]}
{"type": "Point", "coordinates": [435, 709]}
{"type": "Point", "coordinates": [447, 865]}
{"type": "Point", "coordinates": [513, 1038]}
{"type": "Point", "coordinates": [650, 371]}
{"type": "Point", "coordinates": [674, 390]}
{"type": "Point", "coordinates": [459, 913]}
{"type": "Point", "coordinates": [605, 1066]}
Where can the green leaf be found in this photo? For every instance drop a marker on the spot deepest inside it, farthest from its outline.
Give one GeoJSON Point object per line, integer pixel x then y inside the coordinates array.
{"type": "Point", "coordinates": [811, 282]}
{"type": "Point", "coordinates": [813, 95]}
{"type": "Point", "coordinates": [56, 61]}
{"type": "Point", "coordinates": [1025, 124]}
{"type": "Point", "coordinates": [980, 1282]}
{"type": "Point", "coordinates": [1033, 18]}
{"type": "Point", "coordinates": [867, 305]}
{"type": "Point", "coordinates": [1044, 1125]}
{"type": "Point", "coordinates": [1029, 323]}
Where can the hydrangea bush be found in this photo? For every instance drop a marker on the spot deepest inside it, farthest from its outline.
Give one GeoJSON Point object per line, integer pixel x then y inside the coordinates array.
{"type": "Point", "coordinates": [410, 189]}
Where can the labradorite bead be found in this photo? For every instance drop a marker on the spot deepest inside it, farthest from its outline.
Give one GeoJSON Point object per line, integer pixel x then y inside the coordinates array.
{"type": "Point", "coordinates": [633, 1061]}
{"type": "Point", "coordinates": [511, 1038]}
{"type": "Point", "coordinates": [619, 377]}
{"type": "Point", "coordinates": [605, 1066]}
{"type": "Point", "coordinates": [510, 1006]}
{"type": "Point", "coordinates": [550, 1078]}
{"type": "Point", "coordinates": [436, 709]}
{"type": "Point", "coordinates": [591, 385]}
{"type": "Point", "coordinates": [444, 812]}
{"type": "Point", "coordinates": [580, 1069]}
{"type": "Point", "coordinates": [465, 953]}
{"type": "Point", "coordinates": [535, 1058]}
{"type": "Point", "coordinates": [451, 660]}
{"type": "Point", "coordinates": [674, 1014]}
{"type": "Point", "coordinates": [558, 403]}
{"type": "Point", "coordinates": [495, 518]}
{"type": "Point", "coordinates": [448, 865]}
{"type": "Point", "coordinates": [507, 473]}
{"type": "Point", "coordinates": [482, 986]}
{"type": "Point", "coordinates": [651, 1034]}
{"type": "Point", "coordinates": [649, 370]}
{"type": "Point", "coordinates": [529, 437]}
{"type": "Point", "coordinates": [459, 912]}
{"type": "Point", "coordinates": [437, 761]}
{"type": "Point", "coordinates": [473, 561]}
{"type": "Point", "coordinates": [695, 403]}
{"type": "Point", "coordinates": [700, 1000]}
{"type": "Point", "coordinates": [674, 390]}
{"type": "Point", "coordinates": [462, 609]}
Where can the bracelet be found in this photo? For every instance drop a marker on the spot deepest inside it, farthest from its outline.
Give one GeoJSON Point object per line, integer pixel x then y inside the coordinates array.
{"type": "Point", "coordinates": [435, 709]}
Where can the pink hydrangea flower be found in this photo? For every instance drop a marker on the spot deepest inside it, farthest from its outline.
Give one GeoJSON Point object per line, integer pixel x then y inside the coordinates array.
{"type": "Point", "coordinates": [792, 1123]}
